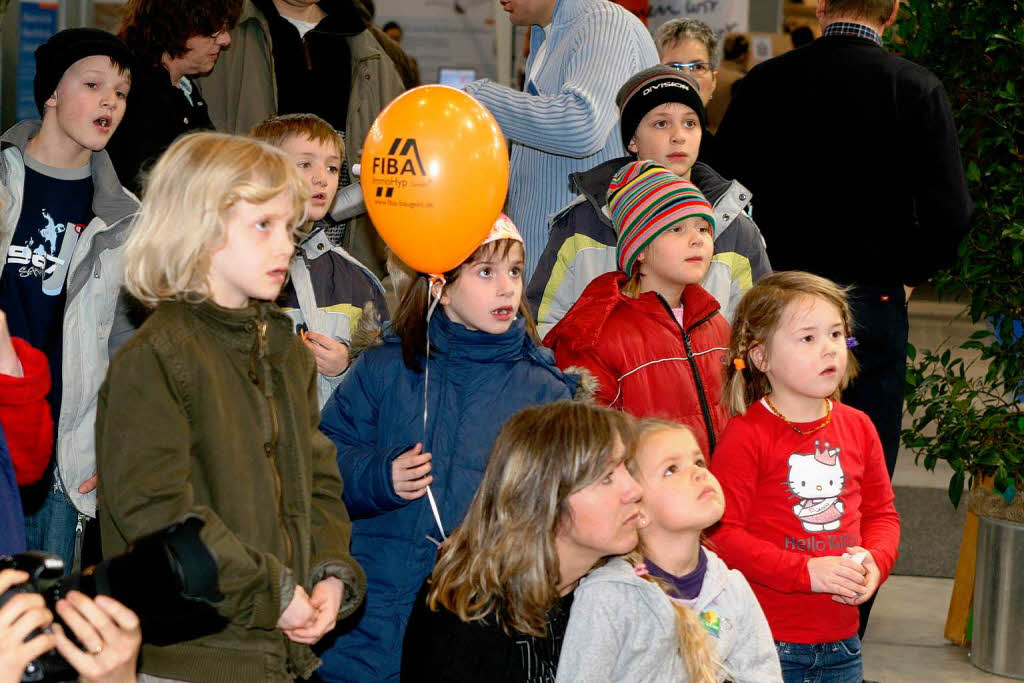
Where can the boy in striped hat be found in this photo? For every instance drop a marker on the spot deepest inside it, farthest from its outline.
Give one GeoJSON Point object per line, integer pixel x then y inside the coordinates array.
{"type": "Point", "coordinates": [649, 332]}
{"type": "Point", "coordinates": [661, 118]}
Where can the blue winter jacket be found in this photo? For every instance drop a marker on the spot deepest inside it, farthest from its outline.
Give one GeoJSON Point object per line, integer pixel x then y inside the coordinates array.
{"type": "Point", "coordinates": [476, 381]}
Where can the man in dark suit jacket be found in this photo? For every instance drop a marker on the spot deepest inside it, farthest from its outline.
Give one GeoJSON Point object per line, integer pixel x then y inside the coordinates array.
{"type": "Point", "coordinates": [876, 199]}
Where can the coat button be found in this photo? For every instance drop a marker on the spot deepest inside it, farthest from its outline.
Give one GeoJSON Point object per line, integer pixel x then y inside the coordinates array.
{"type": "Point", "coordinates": [367, 77]}
{"type": "Point", "coordinates": [725, 216]}
{"type": "Point", "coordinates": [320, 246]}
{"type": "Point", "coordinates": [743, 197]}
{"type": "Point", "coordinates": [267, 448]}
{"type": "Point", "coordinates": [186, 120]}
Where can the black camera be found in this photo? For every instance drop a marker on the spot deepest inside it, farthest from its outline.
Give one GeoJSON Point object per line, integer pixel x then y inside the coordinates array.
{"type": "Point", "coordinates": [169, 579]}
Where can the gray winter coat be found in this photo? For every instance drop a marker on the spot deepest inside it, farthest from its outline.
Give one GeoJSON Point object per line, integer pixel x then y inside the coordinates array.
{"type": "Point", "coordinates": [623, 628]}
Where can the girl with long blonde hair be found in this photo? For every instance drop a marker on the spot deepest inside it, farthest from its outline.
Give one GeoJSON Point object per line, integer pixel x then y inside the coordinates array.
{"type": "Point", "coordinates": [671, 610]}
{"type": "Point", "coordinates": [556, 498]}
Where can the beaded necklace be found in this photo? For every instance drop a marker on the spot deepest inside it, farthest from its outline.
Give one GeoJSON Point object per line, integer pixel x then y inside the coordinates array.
{"type": "Point", "coordinates": [828, 417]}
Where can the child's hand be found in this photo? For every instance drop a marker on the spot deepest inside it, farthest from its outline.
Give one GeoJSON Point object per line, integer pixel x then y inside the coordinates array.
{"type": "Point", "coordinates": [299, 612]}
{"type": "Point", "coordinates": [326, 600]}
{"type": "Point", "coordinates": [88, 485]}
{"type": "Point", "coordinates": [840, 576]}
{"type": "Point", "coordinates": [872, 577]}
{"type": "Point", "coordinates": [331, 355]}
{"type": "Point", "coordinates": [410, 473]}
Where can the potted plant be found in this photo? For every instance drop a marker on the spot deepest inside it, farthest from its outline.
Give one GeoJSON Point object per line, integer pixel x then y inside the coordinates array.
{"type": "Point", "coordinates": [973, 417]}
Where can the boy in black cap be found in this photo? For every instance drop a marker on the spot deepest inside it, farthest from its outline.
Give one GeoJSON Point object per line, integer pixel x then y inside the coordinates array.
{"type": "Point", "coordinates": [63, 220]}
{"type": "Point", "coordinates": [662, 118]}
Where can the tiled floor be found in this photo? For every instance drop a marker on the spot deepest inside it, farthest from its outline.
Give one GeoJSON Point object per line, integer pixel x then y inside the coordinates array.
{"type": "Point", "coordinates": [904, 642]}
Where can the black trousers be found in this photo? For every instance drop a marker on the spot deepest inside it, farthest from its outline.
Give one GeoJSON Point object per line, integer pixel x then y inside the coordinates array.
{"type": "Point", "coordinates": [881, 328]}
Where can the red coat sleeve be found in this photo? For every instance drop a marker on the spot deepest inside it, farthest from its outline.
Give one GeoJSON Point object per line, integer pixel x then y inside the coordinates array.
{"type": "Point", "coordinates": [879, 523]}
{"type": "Point", "coordinates": [735, 538]}
{"type": "Point", "coordinates": [25, 414]}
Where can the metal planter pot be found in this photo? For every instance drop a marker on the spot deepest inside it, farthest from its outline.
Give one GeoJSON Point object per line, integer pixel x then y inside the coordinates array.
{"type": "Point", "coordinates": [997, 645]}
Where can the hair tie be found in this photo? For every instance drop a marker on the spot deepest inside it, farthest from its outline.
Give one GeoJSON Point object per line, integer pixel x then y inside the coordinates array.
{"type": "Point", "coordinates": [641, 570]}
{"type": "Point", "coordinates": [851, 342]}
{"type": "Point", "coordinates": [739, 364]}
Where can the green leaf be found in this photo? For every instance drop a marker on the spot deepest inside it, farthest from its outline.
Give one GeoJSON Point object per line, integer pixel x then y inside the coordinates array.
{"type": "Point", "coordinates": [956, 487]}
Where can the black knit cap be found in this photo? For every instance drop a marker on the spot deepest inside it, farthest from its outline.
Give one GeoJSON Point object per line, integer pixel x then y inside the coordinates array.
{"type": "Point", "coordinates": [63, 49]}
{"type": "Point", "coordinates": [651, 87]}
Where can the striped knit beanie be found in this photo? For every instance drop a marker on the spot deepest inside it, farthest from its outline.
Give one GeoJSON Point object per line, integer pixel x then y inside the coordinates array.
{"type": "Point", "coordinates": [645, 200]}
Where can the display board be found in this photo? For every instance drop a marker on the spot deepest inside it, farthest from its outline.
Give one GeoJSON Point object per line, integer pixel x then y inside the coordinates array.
{"type": "Point", "coordinates": [37, 21]}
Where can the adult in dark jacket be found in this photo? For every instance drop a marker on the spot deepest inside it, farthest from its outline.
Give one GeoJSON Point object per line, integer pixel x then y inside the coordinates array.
{"type": "Point", "coordinates": [882, 198]}
{"type": "Point", "coordinates": [304, 56]}
{"type": "Point", "coordinates": [882, 202]}
{"type": "Point", "coordinates": [173, 41]}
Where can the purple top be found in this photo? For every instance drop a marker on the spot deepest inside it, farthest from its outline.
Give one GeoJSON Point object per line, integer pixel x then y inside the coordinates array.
{"type": "Point", "coordinates": [684, 587]}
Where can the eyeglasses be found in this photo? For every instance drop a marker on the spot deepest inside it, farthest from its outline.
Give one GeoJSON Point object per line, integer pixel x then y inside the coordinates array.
{"type": "Point", "coordinates": [696, 68]}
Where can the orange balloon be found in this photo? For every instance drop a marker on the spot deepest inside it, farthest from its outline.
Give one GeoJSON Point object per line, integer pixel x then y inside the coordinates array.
{"type": "Point", "coordinates": [434, 176]}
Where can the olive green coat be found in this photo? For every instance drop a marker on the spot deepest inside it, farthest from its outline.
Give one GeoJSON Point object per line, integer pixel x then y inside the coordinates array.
{"type": "Point", "coordinates": [212, 412]}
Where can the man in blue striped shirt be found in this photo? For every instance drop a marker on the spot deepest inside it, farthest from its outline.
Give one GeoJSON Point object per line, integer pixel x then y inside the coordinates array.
{"type": "Point", "coordinates": [565, 119]}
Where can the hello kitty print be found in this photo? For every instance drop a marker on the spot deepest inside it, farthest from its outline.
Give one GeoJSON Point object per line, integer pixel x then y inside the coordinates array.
{"type": "Point", "coordinates": [816, 479]}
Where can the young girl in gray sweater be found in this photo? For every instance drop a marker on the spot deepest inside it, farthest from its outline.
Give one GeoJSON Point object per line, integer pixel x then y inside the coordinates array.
{"type": "Point", "coordinates": [670, 611]}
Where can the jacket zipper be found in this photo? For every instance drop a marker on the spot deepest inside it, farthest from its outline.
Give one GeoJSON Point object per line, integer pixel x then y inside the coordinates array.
{"type": "Point", "coordinates": [261, 342]}
{"type": "Point", "coordinates": [701, 396]}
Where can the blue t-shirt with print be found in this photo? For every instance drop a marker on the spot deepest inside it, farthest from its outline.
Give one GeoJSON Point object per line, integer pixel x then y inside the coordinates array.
{"type": "Point", "coordinates": [56, 207]}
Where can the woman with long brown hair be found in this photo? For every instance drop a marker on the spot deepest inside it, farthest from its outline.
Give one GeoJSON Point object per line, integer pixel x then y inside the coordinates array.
{"type": "Point", "coordinates": [555, 499]}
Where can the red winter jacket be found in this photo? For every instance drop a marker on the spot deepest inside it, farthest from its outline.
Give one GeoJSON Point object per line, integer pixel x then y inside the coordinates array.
{"type": "Point", "coordinates": [644, 362]}
{"type": "Point", "coordinates": [25, 414]}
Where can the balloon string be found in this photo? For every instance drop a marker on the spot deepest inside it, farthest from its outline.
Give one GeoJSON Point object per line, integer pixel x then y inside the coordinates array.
{"type": "Point", "coordinates": [439, 279]}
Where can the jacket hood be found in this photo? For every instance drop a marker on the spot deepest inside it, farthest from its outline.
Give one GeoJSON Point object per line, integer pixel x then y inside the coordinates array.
{"type": "Point", "coordinates": [713, 185]}
{"type": "Point", "coordinates": [593, 183]}
{"type": "Point", "coordinates": [581, 327]}
{"type": "Point", "coordinates": [592, 186]}
{"type": "Point", "coordinates": [110, 202]}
